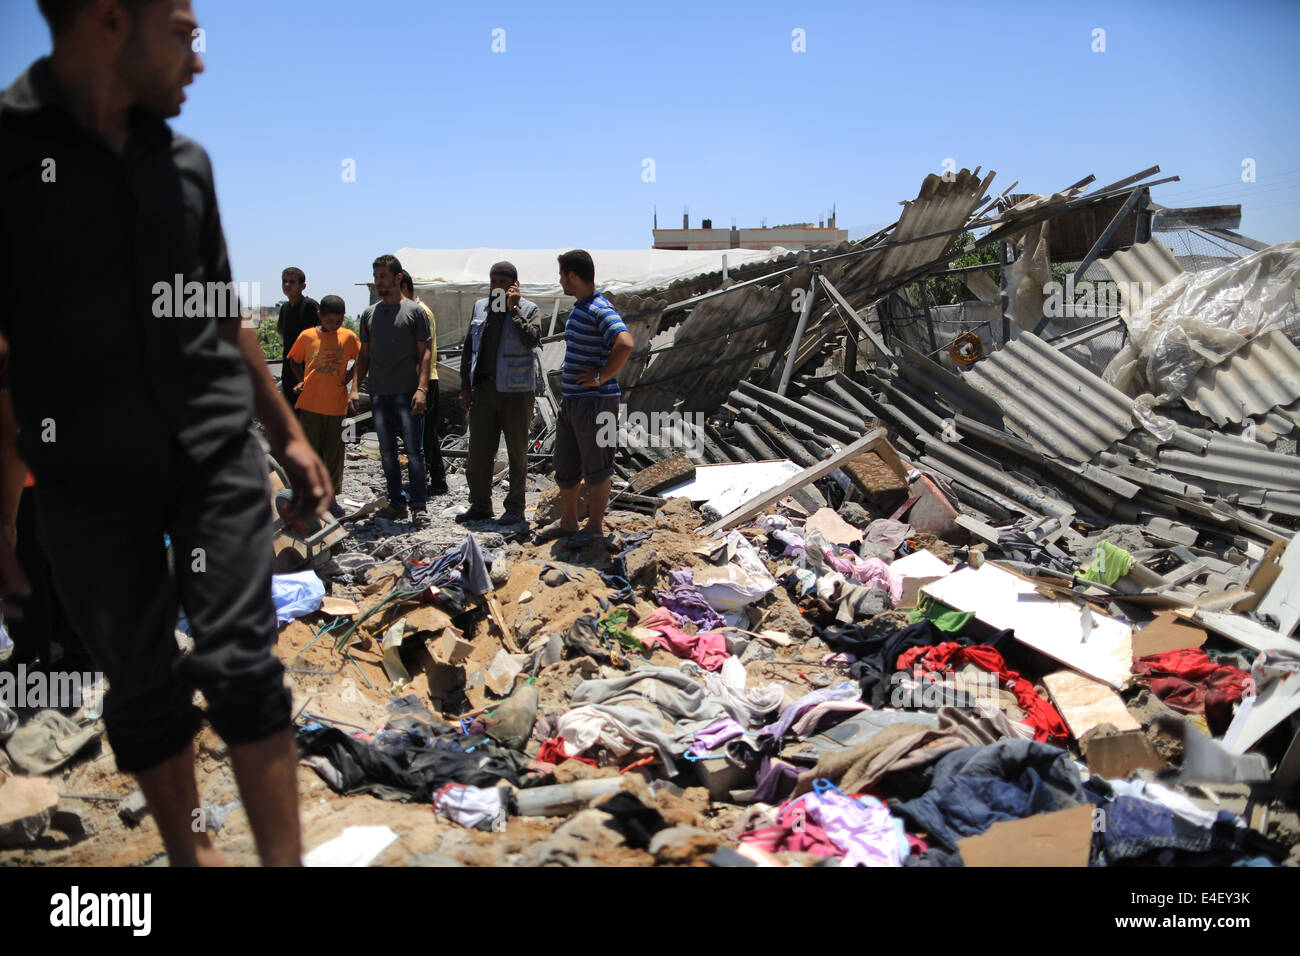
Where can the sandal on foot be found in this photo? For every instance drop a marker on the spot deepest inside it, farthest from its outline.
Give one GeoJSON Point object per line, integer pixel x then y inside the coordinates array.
{"type": "Point", "coordinates": [550, 533]}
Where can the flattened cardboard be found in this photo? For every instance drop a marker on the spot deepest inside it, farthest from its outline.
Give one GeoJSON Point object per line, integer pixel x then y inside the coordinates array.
{"type": "Point", "coordinates": [1063, 838]}
{"type": "Point", "coordinates": [833, 528]}
{"type": "Point", "coordinates": [1167, 632]}
{"type": "Point", "coordinates": [339, 607]}
{"type": "Point", "coordinates": [1118, 756]}
{"type": "Point", "coordinates": [428, 618]}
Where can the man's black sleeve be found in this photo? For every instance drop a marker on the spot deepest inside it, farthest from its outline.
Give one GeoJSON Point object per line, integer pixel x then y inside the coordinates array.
{"type": "Point", "coordinates": [466, 360]}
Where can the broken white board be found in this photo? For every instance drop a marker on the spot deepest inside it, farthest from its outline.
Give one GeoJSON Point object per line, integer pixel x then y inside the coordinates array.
{"type": "Point", "coordinates": [1244, 630]}
{"type": "Point", "coordinates": [357, 846]}
{"type": "Point", "coordinates": [1283, 597]}
{"type": "Point", "coordinates": [728, 487]}
{"type": "Point", "coordinates": [1091, 643]}
{"type": "Point", "coordinates": [1256, 716]}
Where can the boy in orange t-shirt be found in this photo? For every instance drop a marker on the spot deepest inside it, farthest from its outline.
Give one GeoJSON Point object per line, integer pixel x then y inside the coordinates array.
{"type": "Point", "coordinates": [321, 358]}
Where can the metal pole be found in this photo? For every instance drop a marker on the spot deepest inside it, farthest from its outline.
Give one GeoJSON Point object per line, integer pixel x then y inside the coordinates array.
{"type": "Point", "coordinates": [1004, 297]}
{"type": "Point", "coordinates": [929, 320]}
{"type": "Point", "coordinates": [790, 360]}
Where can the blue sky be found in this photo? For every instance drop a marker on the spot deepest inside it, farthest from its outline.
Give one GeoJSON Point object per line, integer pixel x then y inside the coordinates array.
{"type": "Point", "coordinates": [542, 145]}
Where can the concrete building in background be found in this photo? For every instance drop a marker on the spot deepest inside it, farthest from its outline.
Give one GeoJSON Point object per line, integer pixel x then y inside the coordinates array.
{"type": "Point", "coordinates": [795, 236]}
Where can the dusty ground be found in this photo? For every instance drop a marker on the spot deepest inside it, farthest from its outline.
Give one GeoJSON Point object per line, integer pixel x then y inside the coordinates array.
{"type": "Point", "coordinates": [354, 692]}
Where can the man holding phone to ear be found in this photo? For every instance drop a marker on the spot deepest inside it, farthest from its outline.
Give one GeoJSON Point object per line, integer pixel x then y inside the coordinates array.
{"type": "Point", "coordinates": [497, 383]}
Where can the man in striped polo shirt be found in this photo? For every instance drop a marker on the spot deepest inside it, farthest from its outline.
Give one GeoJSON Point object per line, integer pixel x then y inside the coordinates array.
{"type": "Point", "coordinates": [597, 345]}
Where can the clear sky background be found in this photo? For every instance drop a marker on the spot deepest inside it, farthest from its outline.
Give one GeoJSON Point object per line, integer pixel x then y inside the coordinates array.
{"type": "Point", "coordinates": [542, 145]}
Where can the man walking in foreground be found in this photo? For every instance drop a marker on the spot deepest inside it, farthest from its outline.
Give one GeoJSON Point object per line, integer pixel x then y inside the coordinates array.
{"type": "Point", "coordinates": [498, 380]}
{"type": "Point", "coordinates": [395, 354]}
{"type": "Point", "coordinates": [91, 173]}
{"type": "Point", "coordinates": [597, 346]}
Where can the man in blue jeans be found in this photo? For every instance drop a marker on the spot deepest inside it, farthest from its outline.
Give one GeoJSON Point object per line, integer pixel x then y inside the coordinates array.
{"type": "Point", "coordinates": [395, 354]}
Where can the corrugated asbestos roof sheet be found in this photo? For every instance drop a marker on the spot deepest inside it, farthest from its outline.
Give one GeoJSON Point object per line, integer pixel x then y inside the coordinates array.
{"type": "Point", "coordinates": [941, 205]}
{"type": "Point", "coordinates": [1149, 265]}
{"type": "Point", "coordinates": [1234, 461]}
{"type": "Point", "coordinates": [1054, 403]}
{"type": "Point", "coordinates": [1259, 378]}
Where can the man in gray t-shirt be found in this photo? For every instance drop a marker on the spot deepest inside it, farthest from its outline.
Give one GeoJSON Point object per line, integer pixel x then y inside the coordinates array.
{"type": "Point", "coordinates": [395, 354]}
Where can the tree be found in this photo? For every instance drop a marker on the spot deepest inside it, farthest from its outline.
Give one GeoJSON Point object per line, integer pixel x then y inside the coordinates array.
{"type": "Point", "coordinates": [947, 290]}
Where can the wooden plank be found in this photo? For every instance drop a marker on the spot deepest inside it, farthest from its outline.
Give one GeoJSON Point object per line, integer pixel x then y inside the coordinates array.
{"type": "Point", "coordinates": [1197, 217]}
{"type": "Point", "coordinates": [1063, 838]}
{"type": "Point", "coordinates": [867, 442]}
{"type": "Point", "coordinates": [1086, 703]}
{"type": "Point", "coordinates": [984, 532]}
{"type": "Point", "coordinates": [507, 635]}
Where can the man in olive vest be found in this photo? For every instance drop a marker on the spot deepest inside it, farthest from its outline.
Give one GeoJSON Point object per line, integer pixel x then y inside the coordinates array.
{"type": "Point", "coordinates": [498, 381]}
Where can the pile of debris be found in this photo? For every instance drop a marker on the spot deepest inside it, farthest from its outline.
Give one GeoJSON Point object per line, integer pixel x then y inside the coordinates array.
{"type": "Point", "coordinates": [984, 605]}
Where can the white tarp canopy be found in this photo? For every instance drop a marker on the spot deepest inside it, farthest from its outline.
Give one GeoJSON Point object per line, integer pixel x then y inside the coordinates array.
{"type": "Point", "coordinates": [617, 270]}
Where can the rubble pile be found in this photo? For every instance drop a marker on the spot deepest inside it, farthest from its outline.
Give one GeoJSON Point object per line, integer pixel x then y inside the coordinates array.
{"type": "Point", "coordinates": [1020, 608]}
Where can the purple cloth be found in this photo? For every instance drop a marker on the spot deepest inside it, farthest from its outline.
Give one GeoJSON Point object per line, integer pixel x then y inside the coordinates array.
{"type": "Point", "coordinates": [841, 691]}
{"type": "Point", "coordinates": [687, 604]}
{"type": "Point", "coordinates": [775, 781]}
{"type": "Point", "coordinates": [717, 733]}
{"type": "Point", "coordinates": [865, 833]}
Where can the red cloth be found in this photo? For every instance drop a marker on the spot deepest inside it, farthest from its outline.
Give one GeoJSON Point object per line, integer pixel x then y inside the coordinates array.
{"type": "Point", "coordinates": [1039, 714]}
{"type": "Point", "coordinates": [793, 833]}
{"type": "Point", "coordinates": [1189, 682]}
{"type": "Point", "coordinates": [709, 649]}
{"type": "Point", "coordinates": [552, 751]}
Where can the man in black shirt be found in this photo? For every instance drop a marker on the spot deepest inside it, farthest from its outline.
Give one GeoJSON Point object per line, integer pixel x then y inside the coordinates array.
{"type": "Point", "coordinates": [300, 313]}
{"type": "Point", "coordinates": [90, 173]}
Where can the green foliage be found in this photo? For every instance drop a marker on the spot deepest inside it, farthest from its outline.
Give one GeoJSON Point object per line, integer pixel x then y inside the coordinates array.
{"type": "Point", "coordinates": [354, 324]}
{"type": "Point", "coordinates": [268, 337]}
{"type": "Point", "coordinates": [951, 289]}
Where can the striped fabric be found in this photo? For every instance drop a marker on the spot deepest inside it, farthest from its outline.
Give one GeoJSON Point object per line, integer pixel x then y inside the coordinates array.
{"type": "Point", "coordinates": [589, 333]}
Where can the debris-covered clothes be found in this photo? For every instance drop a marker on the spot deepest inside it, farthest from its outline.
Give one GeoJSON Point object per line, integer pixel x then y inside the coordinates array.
{"type": "Point", "coordinates": [708, 649]}
{"type": "Point", "coordinates": [1039, 714]}
{"type": "Point", "coordinates": [1189, 682]}
{"type": "Point", "coordinates": [413, 768]}
{"type": "Point", "coordinates": [973, 788]}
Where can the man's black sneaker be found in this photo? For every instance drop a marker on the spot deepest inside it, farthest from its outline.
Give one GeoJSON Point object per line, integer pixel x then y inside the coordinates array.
{"type": "Point", "coordinates": [473, 514]}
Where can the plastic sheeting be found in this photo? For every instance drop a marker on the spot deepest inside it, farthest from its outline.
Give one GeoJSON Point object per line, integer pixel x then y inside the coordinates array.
{"type": "Point", "coordinates": [1199, 319]}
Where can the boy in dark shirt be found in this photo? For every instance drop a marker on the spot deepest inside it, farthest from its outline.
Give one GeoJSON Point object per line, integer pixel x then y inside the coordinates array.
{"type": "Point", "coordinates": [296, 316]}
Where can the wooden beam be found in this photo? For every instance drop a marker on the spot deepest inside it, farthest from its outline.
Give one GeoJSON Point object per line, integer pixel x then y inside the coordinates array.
{"type": "Point", "coordinates": [1198, 217]}
{"type": "Point", "coordinates": [866, 443]}
{"type": "Point", "coordinates": [852, 313]}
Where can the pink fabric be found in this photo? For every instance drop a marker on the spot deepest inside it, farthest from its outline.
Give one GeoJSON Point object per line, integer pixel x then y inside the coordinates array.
{"type": "Point", "coordinates": [872, 572]}
{"type": "Point", "coordinates": [709, 649]}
